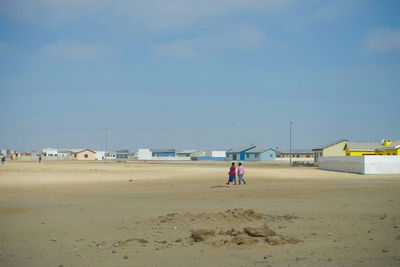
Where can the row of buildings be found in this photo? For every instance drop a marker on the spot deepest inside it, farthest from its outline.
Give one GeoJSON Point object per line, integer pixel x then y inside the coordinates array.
{"type": "Point", "coordinates": [244, 153]}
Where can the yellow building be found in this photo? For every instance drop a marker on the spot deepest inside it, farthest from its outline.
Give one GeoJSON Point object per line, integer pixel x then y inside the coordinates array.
{"type": "Point", "coordinates": [332, 149]}
{"type": "Point", "coordinates": [385, 147]}
{"type": "Point", "coordinates": [85, 154]}
{"type": "Point", "coordinates": [389, 148]}
{"type": "Point", "coordinates": [361, 148]}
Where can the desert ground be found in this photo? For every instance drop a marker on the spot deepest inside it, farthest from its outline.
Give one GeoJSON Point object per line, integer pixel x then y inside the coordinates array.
{"type": "Point", "coordinates": [182, 214]}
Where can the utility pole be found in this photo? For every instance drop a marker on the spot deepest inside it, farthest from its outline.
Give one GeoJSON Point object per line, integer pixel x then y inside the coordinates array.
{"type": "Point", "coordinates": [290, 144]}
{"type": "Point", "coordinates": [58, 140]}
{"type": "Point", "coordinates": [105, 141]}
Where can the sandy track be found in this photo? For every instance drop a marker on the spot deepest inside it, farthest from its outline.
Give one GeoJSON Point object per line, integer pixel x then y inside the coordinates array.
{"type": "Point", "coordinates": [72, 214]}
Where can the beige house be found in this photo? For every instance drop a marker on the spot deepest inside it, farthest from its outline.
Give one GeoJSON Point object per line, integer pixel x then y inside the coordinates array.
{"type": "Point", "coordinates": [332, 149]}
{"type": "Point", "coordinates": [85, 154]}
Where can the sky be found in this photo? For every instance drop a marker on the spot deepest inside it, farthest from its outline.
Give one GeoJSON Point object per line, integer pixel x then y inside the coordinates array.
{"type": "Point", "coordinates": [190, 74]}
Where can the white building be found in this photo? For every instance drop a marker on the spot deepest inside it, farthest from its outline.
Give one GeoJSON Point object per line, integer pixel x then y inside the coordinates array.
{"type": "Point", "coordinates": [100, 155]}
{"type": "Point", "coordinates": [144, 154]}
{"type": "Point", "coordinates": [50, 152]}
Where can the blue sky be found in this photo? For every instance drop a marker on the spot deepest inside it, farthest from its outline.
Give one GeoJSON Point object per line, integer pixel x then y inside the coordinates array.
{"type": "Point", "coordinates": [197, 74]}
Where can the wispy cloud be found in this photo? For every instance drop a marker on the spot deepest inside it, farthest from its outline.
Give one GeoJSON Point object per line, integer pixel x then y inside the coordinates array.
{"type": "Point", "coordinates": [239, 38]}
{"type": "Point", "coordinates": [74, 50]}
{"type": "Point", "coordinates": [381, 40]}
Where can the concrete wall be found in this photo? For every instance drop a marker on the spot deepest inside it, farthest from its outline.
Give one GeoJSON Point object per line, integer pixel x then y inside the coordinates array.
{"type": "Point", "coordinates": [382, 165]}
{"type": "Point", "coordinates": [44, 158]}
{"type": "Point", "coordinates": [171, 158]}
{"type": "Point", "coordinates": [342, 164]}
{"type": "Point", "coordinates": [144, 154]}
{"type": "Point", "coordinates": [362, 164]}
{"type": "Point", "coordinates": [295, 159]}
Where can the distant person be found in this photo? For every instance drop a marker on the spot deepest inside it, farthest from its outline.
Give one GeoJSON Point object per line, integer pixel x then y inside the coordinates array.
{"type": "Point", "coordinates": [3, 159]}
{"type": "Point", "coordinates": [232, 174]}
{"type": "Point", "coordinates": [240, 173]}
{"type": "Point", "coordinates": [40, 158]}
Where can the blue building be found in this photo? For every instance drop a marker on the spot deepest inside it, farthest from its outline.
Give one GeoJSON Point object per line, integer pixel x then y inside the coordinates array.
{"type": "Point", "coordinates": [162, 152]}
{"type": "Point", "coordinates": [260, 154]}
{"type": "Point", "coordinates": [238, 153]}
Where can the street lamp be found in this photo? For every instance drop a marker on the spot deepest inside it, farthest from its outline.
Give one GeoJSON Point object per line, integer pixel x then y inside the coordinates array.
{"type": "Point", "coordinates": [290, 144]}
{"type": "Point", "coordinates": [105, 141]}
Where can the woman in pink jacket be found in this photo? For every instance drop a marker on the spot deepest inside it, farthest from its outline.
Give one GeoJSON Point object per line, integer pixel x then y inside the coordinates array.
{"type": "Point", "coordinates": [232, 174]}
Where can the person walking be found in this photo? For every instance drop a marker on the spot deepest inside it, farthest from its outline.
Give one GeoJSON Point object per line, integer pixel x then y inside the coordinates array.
{"type": "Point", "coordinates": [240, 173]}
{"type": "Point", "coordinates": [40, 158]}
{"type": "Point", "coordinates": [232, 174]}
{"type": "Point", "coordinates": [3, 159]}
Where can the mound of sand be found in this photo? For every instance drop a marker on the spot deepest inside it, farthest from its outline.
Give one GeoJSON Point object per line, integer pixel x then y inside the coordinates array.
{"type": "Point", "coordinates": [233, 227]}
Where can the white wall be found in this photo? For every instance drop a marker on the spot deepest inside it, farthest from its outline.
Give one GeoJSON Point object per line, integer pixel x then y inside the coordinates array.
{"type": "Point", "coordinates": [362, 164]}
{"type": "Point", "coordinates": [353, 164]}
{"type": "Point", "coordinates": [144, 154]}
{"type": "Point", "coordinates": [295, 159]}
{"type": "Point", "coordinates": [382, 165]}
{"type": "Point", "coordinates": [170, 158]}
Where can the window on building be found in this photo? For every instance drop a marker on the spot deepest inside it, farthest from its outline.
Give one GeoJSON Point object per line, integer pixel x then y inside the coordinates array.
{"type": "Point", "coordinates": [247, 156]}
{"type": "Point", "coordinates": [270, 155]}
{"type": "Point", "coordinates": [256, 156]}
{"type": "Point", "coordinates": [320, 154]}
{"type": "Point", "coordinates": [394, 154]}
{"type": "Point", "coordinates": [388, 153]}
{"type": "Point", "coordinates": [86, 156]}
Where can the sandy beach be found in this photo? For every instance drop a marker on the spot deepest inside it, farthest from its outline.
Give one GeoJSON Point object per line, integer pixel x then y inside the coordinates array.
{"type": "Point", "coordinates": [149, 214]}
